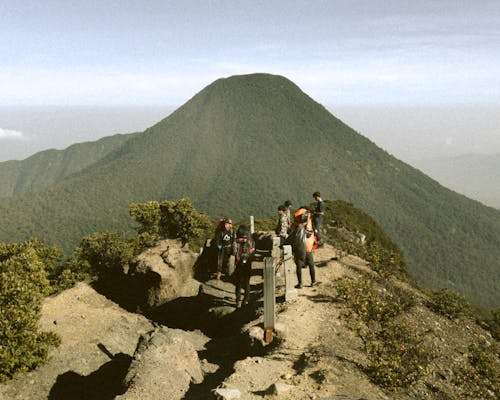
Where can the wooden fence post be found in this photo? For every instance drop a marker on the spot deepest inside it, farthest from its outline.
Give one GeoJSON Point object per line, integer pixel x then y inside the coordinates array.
{"type": "Point", "coordinates": [269, 298]}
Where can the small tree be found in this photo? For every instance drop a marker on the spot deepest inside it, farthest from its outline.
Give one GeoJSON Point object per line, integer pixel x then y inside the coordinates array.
{"type": "Point", "coordinates": [147, 215]}
{"type": "Point", "coordinates": [23, 285]}
{"type": "Point", "coordinates": [104, 253]}
{"type": "Point", "coordinates": [181, 220]}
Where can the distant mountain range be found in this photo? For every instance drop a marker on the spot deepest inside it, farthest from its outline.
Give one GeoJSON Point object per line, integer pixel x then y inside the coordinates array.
{"type": "Point", "coordinates": [51, 166]}
{"type": "Point", "coordinates": [240, 147]}
{"type": "Point", "coordinates": [475, 175]}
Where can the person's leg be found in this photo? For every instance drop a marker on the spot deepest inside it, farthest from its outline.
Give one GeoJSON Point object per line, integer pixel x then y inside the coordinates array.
{"type": "Point", "coordinates": [299, 264]}
{"type": "Point", "coordinates": [225, 263]}
{"type": "Point", "coordinates": [219, 265]}
{"type": "Point", "coordinates": [310, 264]}
{"type": "Point", "coordinates": [246, 286]}
{"type": "Point", "coordinates": [237, 282]}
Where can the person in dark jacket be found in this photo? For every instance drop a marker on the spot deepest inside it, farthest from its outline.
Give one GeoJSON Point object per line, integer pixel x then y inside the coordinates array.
{"type": "Point", "coordinates": [243, 249]}
{"type": "Point", "coordinates": [224, 240]}
{"type": "Point", "coordinates": [302, 239]}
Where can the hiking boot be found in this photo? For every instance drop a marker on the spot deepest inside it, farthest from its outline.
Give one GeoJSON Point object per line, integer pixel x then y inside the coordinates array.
{"type": "Point", "coordinates": [298, 286]}
{"type": "Point", "coordinates": [315, 283]}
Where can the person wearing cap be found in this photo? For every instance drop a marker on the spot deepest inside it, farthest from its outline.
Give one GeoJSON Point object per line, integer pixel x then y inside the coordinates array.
{"type": "Point", "coordinates": [319, 211]}
{"type": "Point", "coordinates": [302, 240]}
{"type": "Point", "coordinates": [224, 242]}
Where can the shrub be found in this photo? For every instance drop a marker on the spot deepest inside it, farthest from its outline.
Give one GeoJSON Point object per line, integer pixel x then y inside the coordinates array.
{"type": "Point", "coordinates": [372, 306]}
{"type": "Point", "coordinates": [181, 220]}
{"type": "Point", "coordinates": [494, 324]}
{"type": "Point", "coordinates": [265, 224]}
{"type": "Point", "coordinates": [480, 379]}
{"type": "Point", "coordinates": [147, 215]}
{"type": "Point", "coordinates": [397, 356]}
{"type": "Point", "coordinates": [23, 285]}
{"type": "Point", "coordinates": [448, 303]}
{"type": "Point", "coordinates": [103, 253]}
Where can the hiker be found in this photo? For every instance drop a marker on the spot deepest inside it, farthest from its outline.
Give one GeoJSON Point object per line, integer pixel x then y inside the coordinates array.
{"type": "Point", "coordinates": [243, 249]}
{"type": "Point", "coordinates": [319, 211]}
{"type": "Point", "coordinates": [224, 240]}
{"type": "Point", "coordinates": [283, 224]}
{"type": "Point", "coordinates": [288, 207]}
{"type": "Point", "coordinates": [302, 240]}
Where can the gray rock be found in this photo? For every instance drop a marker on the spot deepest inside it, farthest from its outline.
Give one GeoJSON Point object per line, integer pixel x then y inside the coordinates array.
{"type": "Point", "coordinates": [163, 273]}
{"type": "Point", "coordinates": [164, 365]}
{"type": "Point", "coordinates": [92, 330]}
{"type": "Point", "coordinates": [279, 388]}
{"type": "Point", "coordinates": [227, 393]}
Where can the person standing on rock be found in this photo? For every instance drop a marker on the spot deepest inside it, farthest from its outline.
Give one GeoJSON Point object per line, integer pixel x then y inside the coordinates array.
{"type": "Point", "coordinates": [283, 224]}
{"type": "Point", "coordinates": [243, 249]}
{"type": "Point", "coordinates": [319, 211]}
{"type": "Point", "coordinates": [302, 240]}
{"type": "Point", "coordinates": [224, 240]}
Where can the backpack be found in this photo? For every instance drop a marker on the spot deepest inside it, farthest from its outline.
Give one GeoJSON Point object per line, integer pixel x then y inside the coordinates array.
{"type": "Point", "coordinates": [243, 250]}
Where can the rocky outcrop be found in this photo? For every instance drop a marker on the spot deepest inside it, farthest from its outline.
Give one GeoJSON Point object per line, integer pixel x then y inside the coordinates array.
{"type": "Point", "coordinates": [165, 363]}
{"type": "Point", "coordinates": [98, 339]}
{"type": "Point", "coordinates": [162, 273]}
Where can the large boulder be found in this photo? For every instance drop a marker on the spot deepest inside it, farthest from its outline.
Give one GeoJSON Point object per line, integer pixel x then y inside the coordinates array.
{"type": "Point", "coordinates": [165, 364]}
{"type": "Point", "coordinates": [98, 339]}
{"type": "Point", "coordinates": [162, 273]}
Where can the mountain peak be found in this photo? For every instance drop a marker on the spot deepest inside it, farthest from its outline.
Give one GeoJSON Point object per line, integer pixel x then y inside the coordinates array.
{"type": "Point", "coordinates": [244, 144]}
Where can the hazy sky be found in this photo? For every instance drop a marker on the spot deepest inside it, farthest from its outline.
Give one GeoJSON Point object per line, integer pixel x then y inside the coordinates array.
{"type": "Point", "coordinates": [370, 54]}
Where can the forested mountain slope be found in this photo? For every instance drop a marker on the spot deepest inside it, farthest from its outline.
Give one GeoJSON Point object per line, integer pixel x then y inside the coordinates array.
{"type": "Point", "coordinates": [243, 145]}
{"type": "Point", "coordinates": [50, 166]}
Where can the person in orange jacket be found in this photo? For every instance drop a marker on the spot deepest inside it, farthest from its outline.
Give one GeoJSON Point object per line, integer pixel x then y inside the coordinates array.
{"type": "Point", "coordinates": [302, 241]}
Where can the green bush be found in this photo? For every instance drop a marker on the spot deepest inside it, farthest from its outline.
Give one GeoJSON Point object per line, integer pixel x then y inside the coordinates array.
{"type": "Point", "coordinates": [397, 356]}
{"type": "Point", "coordinates": [480, 379]}
{"type": "Point", "coordinates": [170, 219]}
{"type": "Point", "coordinates": [181, 220]}
{"type": "Point", "coordinates": [104, 253]}
{"type": "Point", "coordinates": [147, 215]}
{"type": "Point", "coordinates": [371, 305]}
{"type": "Point", "coordinates": [379, 250]}
{"type": "Point", "coordinates": [448, 303]}
{"type": "Point", "coordinates": [265, 224]}
{"type": "Point", "coordinates": [494, 324]}
{"type": "Point", "coordinates": [23, 285]}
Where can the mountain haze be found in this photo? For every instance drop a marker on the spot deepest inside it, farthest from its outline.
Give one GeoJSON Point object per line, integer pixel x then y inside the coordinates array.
{"type": "Point", "coordinates": [475, 175]}
{"type": "Point", "coordinates": [246, 143]}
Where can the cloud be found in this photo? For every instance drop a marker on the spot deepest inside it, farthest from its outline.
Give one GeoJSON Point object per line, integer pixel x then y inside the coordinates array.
{"type": "Point", "coordinates": [9, 134]}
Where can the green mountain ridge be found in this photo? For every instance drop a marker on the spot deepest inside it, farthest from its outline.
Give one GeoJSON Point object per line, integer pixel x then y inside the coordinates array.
{"type": "Point", "coordinates": [50, 166]}
{"type": "Point", "coordinates": [244, 144]}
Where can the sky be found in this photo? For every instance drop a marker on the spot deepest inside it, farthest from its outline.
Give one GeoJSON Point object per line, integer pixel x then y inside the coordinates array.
{"type": "Point", "coordinates": [370, 61]}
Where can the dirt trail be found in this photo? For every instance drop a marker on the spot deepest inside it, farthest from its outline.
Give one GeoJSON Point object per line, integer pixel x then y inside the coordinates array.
{"type": "Point", "coordinates": [315, 358]}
